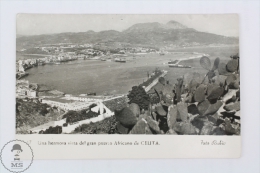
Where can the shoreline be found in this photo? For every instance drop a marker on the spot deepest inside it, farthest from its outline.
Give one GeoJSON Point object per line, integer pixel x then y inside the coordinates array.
{"type": "Point", "coordinates": [49, 89]}
{"type": "Point", "coordinates": [179, 48]}
{"type": "Point", "coordinates": [35, 55]}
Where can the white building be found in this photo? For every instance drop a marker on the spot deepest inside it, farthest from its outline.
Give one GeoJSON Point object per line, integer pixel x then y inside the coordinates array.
{"type": "Point", "coordinates": [66, 104]}
{"type": "Point", "coordinates": [84, 98]}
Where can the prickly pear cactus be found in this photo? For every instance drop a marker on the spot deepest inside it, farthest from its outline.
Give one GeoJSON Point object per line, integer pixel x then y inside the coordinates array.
{"type": "Point", "coordinates": [193, 85]}
{"type": "Point", "coordinates": [126, 117]}
{"type": "Point", "coordinates": [232, 65]}
{"type": "Point", "coordinates": [235, 106]}
{"type": "Point", "coordinates": [211, 87]}
{"type": "Point", "coordinates": [185, 128]}
{"type": "Point", "coordinates": [182, 111]}
{"type": "Point", "coordinates": [172, 116]}
{"type": "Point", "coordinates": [215, 93]}
{"type": "Point", "coordinates": [215, 65]}
{"type": "Point", "coordinates": [160, 110]}
{"type": "Point", "coordinates": [231, 79]}
{"type": "Point", "coordinates": [140, 127]}
{"type": "Point", "coordinates": [207, 108]}
{"type": "Point", "coordinates": [199, 94]}
{"type": "Point", "coordinates": [178, 89]}
{"type": "Point", "coordinates": [219, 80]}
{"type": "Point", "coordinates": [121, 129]}
{"type": "Point", "coordinates": [222, 69]}
{"type": "Point", "coordinates": [206, 129]}
{"type": "Point", "coordinates": [230, 130]}
{"type": "Point", "coordinates": [213, 108]}
{"type": "Point", "coordinates": [205, 62]}
{"type": "Point", "coordinates": [167, 95]}
{"type": "Point", "coordinates": [154, 125]}
{"type": "Point", "coordinates": [171, 132]}
{"type": "Point", "coordinates": [203, 106]}
{"type": "Point", "coordinates": [135, 109]}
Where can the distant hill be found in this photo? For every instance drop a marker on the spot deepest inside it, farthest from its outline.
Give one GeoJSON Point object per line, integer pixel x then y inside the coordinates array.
{"type": "Point", "coordinates": [153, 34]}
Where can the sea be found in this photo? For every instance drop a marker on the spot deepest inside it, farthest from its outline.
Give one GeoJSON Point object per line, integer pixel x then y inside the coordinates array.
{"type": "Point", "coordinates": [108, 77]}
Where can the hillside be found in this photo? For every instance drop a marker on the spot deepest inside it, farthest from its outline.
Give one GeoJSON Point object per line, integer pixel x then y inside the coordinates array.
{"type": "Point", "coordinates": [154, 34]}
{"type": "Point", "coordinates": [32, 113]}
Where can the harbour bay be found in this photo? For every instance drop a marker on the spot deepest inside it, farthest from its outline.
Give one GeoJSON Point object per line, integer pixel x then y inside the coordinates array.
{"type": "Point", "coordinates": [108, 77]}
{"type": "Point", "coordinates": [103, 77]}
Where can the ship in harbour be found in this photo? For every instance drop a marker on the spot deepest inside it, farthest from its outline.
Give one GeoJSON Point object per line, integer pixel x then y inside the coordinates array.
{"type": "Point", "coordinates": [120, 60]}
{"type": "Point", "coordinates": [175, 64]}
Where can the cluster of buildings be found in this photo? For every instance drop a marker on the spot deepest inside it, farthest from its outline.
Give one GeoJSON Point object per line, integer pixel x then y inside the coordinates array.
{"type": "Point", "coordinates": [59, 48]}
{"type": "Point", "coordinates": [183, 45]}
{"type": "Point", "coordinates": [66, 104]}
{"type": "Point", "coordinates": [92, 52]}
{"type": "Point", "coordinates": [142, 50]}
{"type": "Point", "coordinates": [135, 50]}
{"type": "Point", "coordinates": [23, 65]}
{"type": "Point", "coordinates": [24, 89]}
{"type": "Point", "coordinates": [70, 102]}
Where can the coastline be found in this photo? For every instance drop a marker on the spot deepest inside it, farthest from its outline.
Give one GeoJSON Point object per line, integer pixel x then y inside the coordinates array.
{"type": "Point", "coordinates": [46, 92]}
{"type": "Point", "coordinates": [35, 55]}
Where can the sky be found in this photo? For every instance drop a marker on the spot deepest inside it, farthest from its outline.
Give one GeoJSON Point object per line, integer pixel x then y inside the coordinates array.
{"type": "Point", "coordinates": [37, 24]}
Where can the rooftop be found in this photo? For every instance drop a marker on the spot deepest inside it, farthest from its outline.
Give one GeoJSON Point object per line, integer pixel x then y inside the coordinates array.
{"type": "Point", "coordinates": [92, 97]}
{"type": "Point", "coordinates": [59, 100]}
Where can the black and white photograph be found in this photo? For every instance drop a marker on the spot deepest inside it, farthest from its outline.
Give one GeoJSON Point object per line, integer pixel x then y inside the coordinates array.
{"type": "Point", "coordinates": [129, 86]}
{"type": "Point", "coordinates": [128, 74]}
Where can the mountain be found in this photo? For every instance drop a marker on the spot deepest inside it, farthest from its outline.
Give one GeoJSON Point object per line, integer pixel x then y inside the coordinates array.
{"type": "Point", "coordinates": [175, 25]}
{"type": "Point", "coordinates": [153, 34]}
{"type": "Point", "coordinates": [147, 27]}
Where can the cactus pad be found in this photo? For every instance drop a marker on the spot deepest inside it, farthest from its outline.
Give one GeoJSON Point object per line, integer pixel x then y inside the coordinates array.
{"type": "Point", "coordinates": [232, 65]}
{"type": "Point", "coordinates": [205, 62]}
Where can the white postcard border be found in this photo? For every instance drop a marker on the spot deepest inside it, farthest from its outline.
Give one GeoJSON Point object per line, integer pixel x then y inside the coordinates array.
{"type": "Point", "coordinates": [249, 48]}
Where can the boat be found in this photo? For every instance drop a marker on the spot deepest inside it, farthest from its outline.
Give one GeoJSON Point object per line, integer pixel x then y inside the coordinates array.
{"type": "Point", "coordinates": [173, 62]}
{"type": "Point", "coordinates": [57, 63]}
{"type": "Point", "coordinates": [102, 59]}
{"type": "Point", "coordinates": [41, 63]}
{"type": "Point", "coordinates": [120, 60]}
{"type": "Point", "coordinates": [161, 53]}
{"type": "Point", "coordinates": [91, 94]}
{"type": "Point", "coordinates": [179, 66]}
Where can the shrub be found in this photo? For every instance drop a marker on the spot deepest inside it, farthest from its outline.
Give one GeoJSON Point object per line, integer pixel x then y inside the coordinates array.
{"type": "Point", "coordinates": [52, 130]}
{"type": "Point", "coordinates": [107, 126]}
{"type": "Point", "coordinates": [73, 116]}
{"type": "Point", "coordinates": [139, 96]}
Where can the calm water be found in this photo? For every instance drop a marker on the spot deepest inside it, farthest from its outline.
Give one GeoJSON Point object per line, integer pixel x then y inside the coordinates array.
{"type": "Point", "coordinates": [83, 76]}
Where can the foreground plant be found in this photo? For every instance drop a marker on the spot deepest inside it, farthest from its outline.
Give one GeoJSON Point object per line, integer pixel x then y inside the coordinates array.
{"type": "Point", "coordinates": [192, 106]}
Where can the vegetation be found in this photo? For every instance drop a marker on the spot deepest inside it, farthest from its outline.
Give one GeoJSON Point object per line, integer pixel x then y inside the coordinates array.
{"type": "Point", "coordinates": [116, 104]}
{"type": "Point", "coordinates": [31, 113]}
{"type": "Point", "coordinates": [74, 116]}
{"type": "Point", "coordinates": [139, 96]}
{"type": "Point", "coordinates": [52, 130]}
{"type": "Point", "coordinates": [195, 105]}
{"type": "Point", "coordinates": [107, 126]}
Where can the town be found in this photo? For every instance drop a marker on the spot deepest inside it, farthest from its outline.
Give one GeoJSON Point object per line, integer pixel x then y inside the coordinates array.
{"type": "Point", "coordinates": [56, 54]}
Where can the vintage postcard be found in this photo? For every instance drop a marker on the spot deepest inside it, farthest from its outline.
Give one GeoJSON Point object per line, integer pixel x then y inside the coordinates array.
{"type": "Point", "coordinates": [128, 86]}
